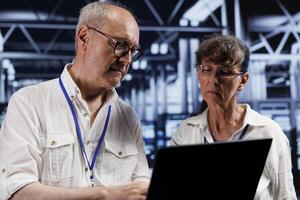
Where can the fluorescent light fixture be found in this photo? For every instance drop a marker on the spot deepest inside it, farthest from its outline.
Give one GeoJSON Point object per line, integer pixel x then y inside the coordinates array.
{"type": "Point", "coordinates": [1, 41]}
{"type": "Point", "coordinates": [194, 23]}
{"type": "Point", "coordinates": [154, 48]}
{"type": "Point", "coordinates": [143, 64]}
{"type": "Point", "coordinates": [183, 22]}
{"type": "Point", "coordinates": [278, 80]}
{"type": "Point", "coordinates": [14, 15]}
{"type": "Point", "coordinates": [128, 77]}
{"type": "Point", "coordinates": [201, 10]}
{"type": "Point", "coordinates": [10, 69]}
{"type": "Point", "coordinates": [135, 65]}
{"type": "Point", "coordinates": [163, 48]}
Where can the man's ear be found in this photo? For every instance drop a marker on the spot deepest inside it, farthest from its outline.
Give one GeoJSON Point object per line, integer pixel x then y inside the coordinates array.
{"type": "Point", "coordinates": [82, 37]}
{"type": "Point", "coordinates": [244, 80]}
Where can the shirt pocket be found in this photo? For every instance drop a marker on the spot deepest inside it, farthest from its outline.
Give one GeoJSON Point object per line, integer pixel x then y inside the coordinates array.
{"type": "Point", "coordinates": [58, 158]}
{"type": "Point", "coordinates": [118, 163]}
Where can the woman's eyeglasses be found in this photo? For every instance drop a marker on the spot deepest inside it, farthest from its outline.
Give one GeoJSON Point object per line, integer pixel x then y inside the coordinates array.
{"type": "Point", "coordinates": [121, 48]}
{"type": "Point", "coordinates": [220, 72]}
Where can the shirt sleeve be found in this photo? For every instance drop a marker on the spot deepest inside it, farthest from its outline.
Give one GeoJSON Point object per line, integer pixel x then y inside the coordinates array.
{"type": "Point", "coordinates": [176, 138]}
{"type": "Point", "coordinates": [19, 148]}
{"type": "Point", "coordinates": [286, 189]}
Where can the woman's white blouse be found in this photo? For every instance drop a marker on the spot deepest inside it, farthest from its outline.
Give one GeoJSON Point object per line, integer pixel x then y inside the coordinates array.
{"type": "Point", "coordinates": [276, 181]}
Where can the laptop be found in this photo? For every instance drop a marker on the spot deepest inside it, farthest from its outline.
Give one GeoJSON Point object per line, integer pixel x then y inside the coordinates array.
{"type": "Point", "coordinates": [228, 170]}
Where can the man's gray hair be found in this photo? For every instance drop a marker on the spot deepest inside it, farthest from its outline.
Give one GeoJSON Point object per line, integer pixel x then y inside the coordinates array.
{"type": "Point", "coordinates": [93, 14]}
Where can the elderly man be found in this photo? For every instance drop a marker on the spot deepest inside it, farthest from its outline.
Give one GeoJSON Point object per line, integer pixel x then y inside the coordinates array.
{"type": "Point", "coordinates": [64, 136]}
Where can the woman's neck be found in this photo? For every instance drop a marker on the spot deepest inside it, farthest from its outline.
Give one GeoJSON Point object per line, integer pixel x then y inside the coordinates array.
{"type": "Point", "coordinates": [225, 121]}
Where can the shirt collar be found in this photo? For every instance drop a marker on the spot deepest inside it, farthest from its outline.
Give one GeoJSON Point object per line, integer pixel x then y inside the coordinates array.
{"type": "Point", "coordinates": [251, 117]}
{"type": "Point", "coordinates": [199, 120]}
{"type": "Point", "coordinates": [74, 91]}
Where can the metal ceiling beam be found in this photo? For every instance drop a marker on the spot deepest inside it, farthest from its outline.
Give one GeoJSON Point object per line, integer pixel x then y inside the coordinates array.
{"type": "Point", "coordinates": [181, 29]}
{"type": "Point", "coordinates": [33, 10]}
{"type": "Point", "coordinates": [38, 25]}
{"type": "Point", "coordinates": [276, 57]}
{"type": "Point", "coordinates": [8, 33]}
{"type": "Point", "coordinates": [282, 42]}
{"type": "Point", "coordinates": [53, 40]}
{"type": "Point", "coordinates": [44, 46]}
{"type": "Point", "coordinates": [154, 12]}
{"type": "Point", "coordinates": [35, 56]}
{"type": "Point", "coordinates": [142, 28]}
{"type": "Point", "coordinates": [175, 10]}
{"type": "Point", "coordinates": [43, 52]}
{"type": "Point", "coordinates": [213, 16]}
{"type": "Point", "coordinates": [266, 44]}
{"type": "Point", "coordinates": [290, 19]}
{"type": "Point", "coordinates": [288, 27]}
{"type": "Point", "coordinates": [53, 12]}
{"type": "Point", "coordinates": [30, 39]}
{"type": "Point", "coordinates": [279, 29]}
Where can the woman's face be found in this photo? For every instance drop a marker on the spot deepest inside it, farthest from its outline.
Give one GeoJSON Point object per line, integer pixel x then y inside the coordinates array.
{"type": "Point", "coordinates": [219, 84]}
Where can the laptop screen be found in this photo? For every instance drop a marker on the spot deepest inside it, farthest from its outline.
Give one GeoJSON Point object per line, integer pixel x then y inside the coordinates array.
{"type": "Point", "coordinates": [228, 170]}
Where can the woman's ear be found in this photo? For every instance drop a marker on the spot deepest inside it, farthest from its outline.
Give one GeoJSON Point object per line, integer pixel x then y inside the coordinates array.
{"type": "Point", "coordinates": [244, 80]}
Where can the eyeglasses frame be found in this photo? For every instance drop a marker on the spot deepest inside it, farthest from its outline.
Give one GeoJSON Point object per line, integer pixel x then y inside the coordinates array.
{"type": "Point", "coordinates": [116, 42]}
{"type": "Point", "coordinates": [235, 74]}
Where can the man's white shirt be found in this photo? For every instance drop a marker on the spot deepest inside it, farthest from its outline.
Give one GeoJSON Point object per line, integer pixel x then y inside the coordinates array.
{"type": "Point", "coordinates": [38, 141]}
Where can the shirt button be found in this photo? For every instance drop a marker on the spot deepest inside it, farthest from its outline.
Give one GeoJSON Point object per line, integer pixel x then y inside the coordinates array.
{"type": "Point", "coordinates": [3, 170]}
{"type": "Point", "coordinates": [85, 169]}
{"type": "Point", "coordinates": [120, 153]}
{"type": "Point", "coordinates": [53, 142]}
{"type": "Point", "coordinates": [72, 97]}
{"type": "Point", "coordinates": [88, 142]}
{"type": "Point", "coordinates": [85, 114]}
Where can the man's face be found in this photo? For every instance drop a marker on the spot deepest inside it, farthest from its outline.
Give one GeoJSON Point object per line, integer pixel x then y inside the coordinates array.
{"type": "Point", "coordinates": [103, 68]}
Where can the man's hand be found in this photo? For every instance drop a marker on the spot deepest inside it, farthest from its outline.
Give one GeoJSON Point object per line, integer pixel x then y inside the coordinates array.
{"type": "Point", "coordinates": [134, 191]}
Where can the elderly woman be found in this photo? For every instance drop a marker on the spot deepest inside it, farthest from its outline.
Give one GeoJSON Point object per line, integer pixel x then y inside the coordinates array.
{"type": "Point", "coordinates": [221, 64]}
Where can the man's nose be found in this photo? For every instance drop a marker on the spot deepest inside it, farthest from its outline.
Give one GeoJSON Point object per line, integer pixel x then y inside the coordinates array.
{"type": "Point", "coordinates": [127, 58]}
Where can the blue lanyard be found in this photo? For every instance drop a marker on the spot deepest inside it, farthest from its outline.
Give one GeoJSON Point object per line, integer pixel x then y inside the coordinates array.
{"type": "Point", "coordinates": [96, 152]}
{"type": "Point", "coordinates": [241, 136]}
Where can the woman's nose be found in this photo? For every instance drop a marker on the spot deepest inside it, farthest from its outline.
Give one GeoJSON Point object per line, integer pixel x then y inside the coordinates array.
{"type": "Point", "coordinates": [217, 79]}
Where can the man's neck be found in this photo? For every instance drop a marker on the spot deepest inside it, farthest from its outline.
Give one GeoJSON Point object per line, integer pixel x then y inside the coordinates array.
{"type": "Point", "coordinates": [95, 105]}
{"type": "Point", "coordinates": [94, 97]}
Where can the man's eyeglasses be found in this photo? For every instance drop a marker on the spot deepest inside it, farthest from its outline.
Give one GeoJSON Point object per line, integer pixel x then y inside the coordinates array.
{"type": "Point", "coordinates": [221, 72]}
{"type": "Point", "coordinates": [121, 48]}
